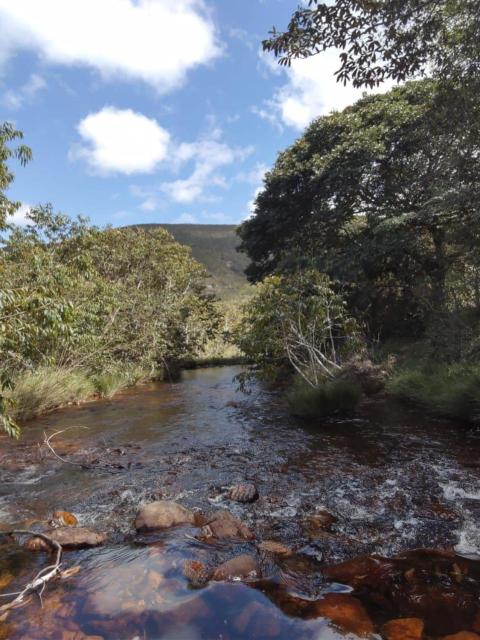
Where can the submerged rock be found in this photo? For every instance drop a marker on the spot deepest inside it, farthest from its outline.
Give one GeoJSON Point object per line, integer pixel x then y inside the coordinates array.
{"type": "Point", "coordinates": [196, 573]}
{"type": "Point", "coordinates": [162, 515]}
{"type": "Point", "coordinates": [224, 525]}
{"type": "Point", "coordinates": [243, 566]}
{"type": "Point", "coordinates": [69, 538]}
{"type": "Point", "coordinates": [319, 522]}
{"type": "Point", "coordinates": [403, 629]}
{"type": "Point", "coordinates": [243, 493]}
{"type": "Point", "coordinates": [275, 548]}
{"type": "Point", "coordinates": [344, 611]}
{"type": "Point", "coordinates": [462, 635]}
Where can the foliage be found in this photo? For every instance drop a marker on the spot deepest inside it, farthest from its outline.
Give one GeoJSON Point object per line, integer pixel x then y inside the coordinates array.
{"type": "Point", "coordinates": [79, 298]}
{"type": "Point", "coordinates": [398, 39]}
{"type": "Point", "coordinates": [448, 390]}
{"type": "Point", "coordinates": [297, 322]}
{"type": "Point", "coordinates": [23, 154]}
{"type": "Point", "coordinates": [330, 397]}
{"type": "Point", "coordinates": [384, 197]}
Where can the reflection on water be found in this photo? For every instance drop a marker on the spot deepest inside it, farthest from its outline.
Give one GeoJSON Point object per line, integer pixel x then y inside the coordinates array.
{"type": "Point", "coordinates": [394, 480]}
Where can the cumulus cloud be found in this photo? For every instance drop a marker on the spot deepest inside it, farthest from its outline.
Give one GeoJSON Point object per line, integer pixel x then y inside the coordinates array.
{"type": "Point", "coordinates": [311, 90]}
{"type": "Point", "coordinates": [208, 155]}
{"type": "Point", "coordinates": [157, 41]}
{"type": "Point", "coordinates": [15, 99]}
{"type": "Point", "coordinates": [121, 141]}
{"type": "Point", "coordinates": [19, 218]}
{"type": "Point", "coordinates": [186, 218]}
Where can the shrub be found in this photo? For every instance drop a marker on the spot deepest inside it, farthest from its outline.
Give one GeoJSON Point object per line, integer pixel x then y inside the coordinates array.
{"type": "Point", "coordinates": [331, 397]}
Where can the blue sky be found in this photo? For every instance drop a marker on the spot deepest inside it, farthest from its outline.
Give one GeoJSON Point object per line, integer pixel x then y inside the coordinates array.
{"type": "Point", "coordinates": [153, 110]}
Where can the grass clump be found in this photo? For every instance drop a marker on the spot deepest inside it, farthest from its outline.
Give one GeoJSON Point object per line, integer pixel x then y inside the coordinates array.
{"type": "Point", "coordinates": [449, 390]}
{"type": "Point", "coordinates": [46, 389]}
{"type": "Point", "coordinates": [108, 383]}
{"type": "Point", "coordinates": [331, 397]}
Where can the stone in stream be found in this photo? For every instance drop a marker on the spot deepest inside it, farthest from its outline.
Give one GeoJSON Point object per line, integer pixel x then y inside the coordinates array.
{"type": "Point", "coordinates": [196, 573]}
{"type": "Point", "coordinates": [275, 548]}
{"type": "Point", "coordinates": [320, 521]}
{"type": "Point", "coordinates": [344, 611]}
{"type": "Point", "coordinates": [403, 629]}
{"type": "Point", "coordinates": [462, 635]}
{"type": "Point", "coordinates": [238, 568]}
{"type": "Point", "coordinates": [224, 525]}
{"type": "Point", "coordinates": [243, 493]}
{"type": "Point", "coordinates": [162, 515]}
{"type": "Point", "coordinates": [69, 538]}
{"type": "Point", "coordinates": [63, 519]}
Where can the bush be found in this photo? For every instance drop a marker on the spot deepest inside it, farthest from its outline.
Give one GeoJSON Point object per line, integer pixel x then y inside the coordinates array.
{"type": "Point", "coordinates": [46, 389]}
{"type": "Point", "coordinates": [448, 390]}
{"type": "Point", "coordinates": [332, 397]}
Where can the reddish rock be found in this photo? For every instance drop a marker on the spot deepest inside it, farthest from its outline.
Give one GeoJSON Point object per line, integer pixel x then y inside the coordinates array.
{"type": "Point", "coordinates": [403, 629]}
{"type": "Point", "coordinates": [224, 525]}
{"type": "Point", "coordinates": [162, 515]}
{"type": "Point", "coordinates": [69, 538]}
{"type": "Point", "coordinates": [275, 548]}
{"type": "Point", "coordinates": [196, 573]}
{"type": "Point", "coordinates": [364, 571]}
{"type": "Point", "coordinates": [243, 566]}
{"type": "Point", "coordinates": [345, 612]}
{"type": "Point", "coordinates": [322, 521]}
{"type": "Point", "coordinates": [243, 493]}
{"type": "Point", "coordinates": [63, 519]}
{"type": "Point", "coordinates": [5, 579]}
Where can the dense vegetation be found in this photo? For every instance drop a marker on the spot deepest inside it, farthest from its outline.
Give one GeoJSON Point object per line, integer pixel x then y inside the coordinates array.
{"type": "Point", "coordinates": [86, 310]}
{"type": "Point", "coordinates": [384, 196]}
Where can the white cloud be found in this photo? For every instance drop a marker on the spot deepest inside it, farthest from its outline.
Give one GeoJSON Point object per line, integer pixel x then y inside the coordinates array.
{"type": "Point", "coordinates": [256, 177]}
{"type": "Point", "coordinates": [312, 90]}
{"type": "Point", "coordinates": [186, 218]}
{"type": "Point", "coordinates": [14, 99]}
{"type": "Point", "coordinates": [19, 218]}
{"type": "Point", "coordinates": [157, 41]}
{"type": "Point", "coordinates": [121, 141]}
{"type": "Point", "coordinates": [208, 155]}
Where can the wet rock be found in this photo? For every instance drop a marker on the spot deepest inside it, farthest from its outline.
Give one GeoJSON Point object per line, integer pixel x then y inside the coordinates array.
{"type": "Point", "coordinates": [345, 612]}
{"type": "Point", "coordinates": [162, 515]}
{"type": "Point", "coordinates": [243, 566]}
{"type": "Point", "coordinates": [233, 404]}
{"type": "Point", "coordinates": [363, 571]}
{"type": "Point", "coordinates": [403, 629]}
{"type": "Point", "coordinates": [275, 548]}
{"type": "Point", "coordinates": [224, 525]}
{"type": "Point", "coordinates": [63, 519]}
{"type": "Point", "coordinates": [5, 579]}
{"type": "Point", "coordinates": [6, 631]}
{"type": "Point", "coordinates": [321, 521]}
{"type": "Point", "coordinates": [69, 538]}
{"type": "Point", "coordinates": [462, 635]}
{"type": "Point", "coordinates": [243, 493]}
{"type": "Point", "coordinates": [78, 635]}
{"type": "Point", "coordinates": [196, 573]}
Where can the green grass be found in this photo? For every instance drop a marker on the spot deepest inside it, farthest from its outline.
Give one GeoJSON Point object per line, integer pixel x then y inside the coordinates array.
{"type": "Point", "coordinates": [448, 390]}
{"type": "Point", "coordinates": [332, 397]}
{"type": "Point", "coordinates": [109, 383]}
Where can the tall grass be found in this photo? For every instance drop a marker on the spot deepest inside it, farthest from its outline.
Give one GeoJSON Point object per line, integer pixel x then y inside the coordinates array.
{"type": "Point", "coordinates": [449, 390]}
{"type": "Point", "coordinates": [109, 383]}
{"type": "Point", "coordinates": [331, 397]}
{"type": "Point", "coordinates": [46, 389]}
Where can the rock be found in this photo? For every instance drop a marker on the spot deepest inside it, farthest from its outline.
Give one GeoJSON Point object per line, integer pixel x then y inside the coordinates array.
{"type": "Point", "coordinates": [345, 612]}
{"type": "Point", "coordinates": [224, 525]}
{"type": "Point", "coordinates": [5, 579]}
{"type": "Point", "coordinates": [243, 566]}
{"type": "Point", "coordinates": [243, 493]}
{"type": "Point", "coordinates": [69, 538]}
{"type": "Point", "coordinates": [462, 635]}
{"type": "Point", "coordinates": [321, 521]}
{"type": "Point", "coordinates": [363, 571]}
{"type": "Point", "coordinates": [275, 548]}
{"type": "Point", "coordinates": [403, 629]}
{"type": "Point", "coordinates": [162, 515]}
{"type": "Point", "coordinates": [196, 573]}
{"type": "Point", "coordinates": [63, 519]}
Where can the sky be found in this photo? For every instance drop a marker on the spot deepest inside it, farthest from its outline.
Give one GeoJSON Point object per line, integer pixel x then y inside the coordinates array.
{"type": "Point", "coordinates": [141, 111]}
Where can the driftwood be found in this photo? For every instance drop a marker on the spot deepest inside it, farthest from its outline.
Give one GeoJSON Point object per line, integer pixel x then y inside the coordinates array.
{"type": "Point", "coordinates": [39, 582]}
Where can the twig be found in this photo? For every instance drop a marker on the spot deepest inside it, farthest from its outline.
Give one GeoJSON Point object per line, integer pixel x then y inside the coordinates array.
{"type": "Point", "coordinates": [37, 585]}
{"type": "Point", "coordinates": [47, 442]}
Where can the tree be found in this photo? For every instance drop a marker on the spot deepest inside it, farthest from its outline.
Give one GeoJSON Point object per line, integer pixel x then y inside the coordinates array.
{"type": "Point", "coordinates": [379, 39]}
{"type": "Point", "coordinates": [383, 196]}
{"type": "Point", "coordinates": [22, 153]}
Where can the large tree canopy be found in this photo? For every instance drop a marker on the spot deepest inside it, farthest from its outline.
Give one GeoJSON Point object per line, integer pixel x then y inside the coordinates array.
{"type": "Point", "coordinates": [382, 193]}
{"type": "Point", "coordinates": [381, 39]}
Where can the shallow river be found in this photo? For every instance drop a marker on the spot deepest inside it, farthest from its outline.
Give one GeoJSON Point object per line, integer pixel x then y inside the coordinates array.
{"type": "Point", "coordinates": [394, 480]}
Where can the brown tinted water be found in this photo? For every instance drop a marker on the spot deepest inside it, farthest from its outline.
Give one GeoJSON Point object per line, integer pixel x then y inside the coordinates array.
{"type": "Point", "coordinates": [395, 480]}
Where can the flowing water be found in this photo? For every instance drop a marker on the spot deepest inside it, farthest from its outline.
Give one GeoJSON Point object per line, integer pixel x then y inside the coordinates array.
{"type": "Point", "coordinates": [395, 480]}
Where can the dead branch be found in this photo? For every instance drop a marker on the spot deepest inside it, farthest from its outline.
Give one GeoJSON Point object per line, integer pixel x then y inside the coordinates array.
{"type": "Point", "coordinates": [39, 582]}
{"type": "Point", "coordinates": [47, 442]}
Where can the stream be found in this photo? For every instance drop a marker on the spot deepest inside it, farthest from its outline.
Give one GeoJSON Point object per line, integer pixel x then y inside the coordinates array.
{"type": "Point", "coordinates": [404, 490]}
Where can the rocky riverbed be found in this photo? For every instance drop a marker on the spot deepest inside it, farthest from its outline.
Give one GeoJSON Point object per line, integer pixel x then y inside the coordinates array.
{"type": "Point", "coordinates": [195, 512]}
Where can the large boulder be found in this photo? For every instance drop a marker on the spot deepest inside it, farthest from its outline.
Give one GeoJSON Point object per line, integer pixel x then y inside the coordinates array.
{"type": "Point", "coordinates": [69, 538]}
{"type": "Point", "coordinates": [238, 568]}
{"type": "Point", "coordinates": [224, 525]}
{"type": "Point", "coordinates": [162, 515]}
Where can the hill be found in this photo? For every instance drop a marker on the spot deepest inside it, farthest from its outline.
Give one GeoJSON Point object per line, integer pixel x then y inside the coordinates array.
{"type": "Point", "coordinates": [214, 245]}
